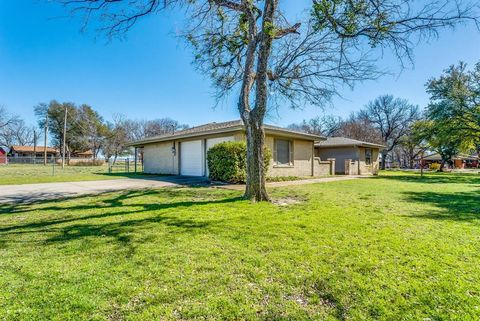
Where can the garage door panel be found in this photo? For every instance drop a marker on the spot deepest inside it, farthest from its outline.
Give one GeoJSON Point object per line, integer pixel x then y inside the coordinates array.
{"type": "Point", "coordinates": [191, 158]}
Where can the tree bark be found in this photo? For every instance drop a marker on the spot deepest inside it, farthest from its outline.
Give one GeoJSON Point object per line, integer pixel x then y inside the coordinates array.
{"type": "Point", "coordinates": [384, 159]}
{"type": "Point", "coordinates": [255, 189]}
{"type": "Point", "coordinates": [442, 164]}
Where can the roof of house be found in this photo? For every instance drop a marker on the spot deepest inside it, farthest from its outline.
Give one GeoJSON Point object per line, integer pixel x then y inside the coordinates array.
{"type": "Point", "coordinates": [437, 157]}
{"type": "Point", "coordinates": [224, 127]}
{"type": "Point", "coordinates": [346, 142]}
{"type": "Point", "coordinates": [87, 153]}
{"type": "Point", "coordinates": [27, 149]}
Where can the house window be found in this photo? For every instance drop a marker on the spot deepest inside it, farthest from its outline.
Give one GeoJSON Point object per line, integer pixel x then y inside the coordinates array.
{"type": "Point", "coordinates": [368, 156]}
{"type": "Point", "coordinates": [283, 152]}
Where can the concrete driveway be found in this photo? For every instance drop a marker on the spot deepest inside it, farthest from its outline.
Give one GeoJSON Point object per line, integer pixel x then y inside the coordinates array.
{"type": "Point", "coordinates": [36, 192]}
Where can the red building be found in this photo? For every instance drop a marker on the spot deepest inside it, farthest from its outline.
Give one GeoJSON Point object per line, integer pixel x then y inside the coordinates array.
{"type": "Point", "coordinates": [3, 156]}
{"type": "Point", "coordinates": [461, 161]}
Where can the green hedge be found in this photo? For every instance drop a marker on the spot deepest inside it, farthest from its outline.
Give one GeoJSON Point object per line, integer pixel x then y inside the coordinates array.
{"type": "Point", "coordinates": [227, 162]}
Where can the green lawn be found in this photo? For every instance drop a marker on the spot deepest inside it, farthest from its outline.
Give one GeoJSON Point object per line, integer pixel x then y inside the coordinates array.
{"type": "Point", "coordinates": [30, 174]}
{"type": "Point", "coordinates": [395, 247]}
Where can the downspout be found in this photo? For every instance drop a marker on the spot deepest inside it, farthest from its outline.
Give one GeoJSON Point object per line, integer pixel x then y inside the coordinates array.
{"type": "Point", "coordinates": [313, 158]}
{"type": "Point", "coordinates": [174, 154]}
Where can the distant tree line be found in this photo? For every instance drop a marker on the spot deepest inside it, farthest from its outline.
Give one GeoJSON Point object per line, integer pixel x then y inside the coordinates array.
{"type": "Point", "coordinates": [14, 130]}
{"type": "Point", "coordinates": [449, 125]}
{"type": "Point", "coordinates": [85, 129]}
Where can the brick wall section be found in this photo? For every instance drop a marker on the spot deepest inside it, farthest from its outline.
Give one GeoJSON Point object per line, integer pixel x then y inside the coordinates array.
{"type": "Point", "coordinates": [340, 154]}
{"type": "Point", "coordinates": [302, 159]}
{"type": "Point", "coordinates": [159, 159]}
{"type": "Point", "coordinates": [365, 169]}
{"type": "Point", "coordinates": [323, 168]}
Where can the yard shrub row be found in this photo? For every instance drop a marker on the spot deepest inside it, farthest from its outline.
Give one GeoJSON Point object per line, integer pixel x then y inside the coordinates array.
{"type": "Point", "coordinates": [96, 162]}
{"type": "Point", "coordinates": [227, 162]}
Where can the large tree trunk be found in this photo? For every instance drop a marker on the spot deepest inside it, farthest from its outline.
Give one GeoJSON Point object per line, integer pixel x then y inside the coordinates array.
{"type": "Point", "coordinates": [253, 118]}
{"type": "Point", "coordinates": [255, 189]}
{"type": "Point", "coordinates": [384, 159]}
{"type": "Point", "coordinates": [442, 165]}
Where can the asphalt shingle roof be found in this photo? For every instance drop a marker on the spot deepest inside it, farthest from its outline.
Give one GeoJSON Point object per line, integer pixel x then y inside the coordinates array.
{"type": "Point", "coordinates": [26, 149]}
{"type": "Point", "coordinates": [214, 127]}
{"type": "Point", "coordinates": [344, 141]}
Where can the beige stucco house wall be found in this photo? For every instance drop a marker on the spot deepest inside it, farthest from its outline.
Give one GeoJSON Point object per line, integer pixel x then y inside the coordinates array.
{"type": "Point", "coordinates": [350, 155]}
{"type": "Point", "coordinates": [164, 157]}
{"type": "Point", "coordinates": [159, 159]}
{"type": "Point", "coordinates": [374, 166]}
{"type": "Point", "coordinates": [340, 154]}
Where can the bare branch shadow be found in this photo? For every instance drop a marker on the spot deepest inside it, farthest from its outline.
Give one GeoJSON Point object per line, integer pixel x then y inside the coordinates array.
{"type": "Point", "coordinates": [76, 225]}
{"type": "Point", "coordinates": [436, 178]}
{"type": "Point", "coordinates": [460, 206]}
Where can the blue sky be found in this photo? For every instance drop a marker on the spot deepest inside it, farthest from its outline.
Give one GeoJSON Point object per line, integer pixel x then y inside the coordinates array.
{"type": "Point", "coordinates": [44, 56]}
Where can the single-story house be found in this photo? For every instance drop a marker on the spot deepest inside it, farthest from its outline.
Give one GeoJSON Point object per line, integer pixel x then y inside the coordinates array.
{"type": "Point", "coordinates": [460, 161]}
{"type": "Point", "coordinates": [352, 157]}
{"type": "Point", "coordinates": [184, 152]}
{"type": "Point", "coordinates": [31, 151]}
{"type": "Point", "coordinates": [88, 154]}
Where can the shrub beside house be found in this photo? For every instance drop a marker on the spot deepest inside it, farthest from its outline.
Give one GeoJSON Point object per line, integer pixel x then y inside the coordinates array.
{"type": "Point", "coordinates": [227, 162]}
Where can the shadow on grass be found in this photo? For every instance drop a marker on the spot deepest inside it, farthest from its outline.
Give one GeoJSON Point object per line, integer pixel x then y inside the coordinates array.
{"type": "Point", "coordinates": [460, 206]}
{"type": "Point", "coordinates": [181, 180]}
{"type": "Point", "coordinates": [25, 205]}
{"type": "Point", "coordinates": [79, 221]}
{"type": "Point", "coordinates": [435, 178]}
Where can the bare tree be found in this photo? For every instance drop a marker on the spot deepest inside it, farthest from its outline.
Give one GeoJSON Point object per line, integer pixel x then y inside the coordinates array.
{"type": "Point", "coordinates": [7, 120]}
{"type": "Point", "coordinates": [92, 129]}
{"type": "Point", "coordinates": [325, 126]}
{"type": "Point", "coordinates": [356, 127]}
{"type": "Point", "coordinates": [410, 147]}
{"type": "Point", "coordinates": [392, 117]}
{"type": "Point", "coordinates": [251, 47]}
{"type": "Point", "coordinates": [117, 138]}
{"type": "Point", "coordinates": [14, 130]}
{"type": "Point", "coordinates": [140, 129]}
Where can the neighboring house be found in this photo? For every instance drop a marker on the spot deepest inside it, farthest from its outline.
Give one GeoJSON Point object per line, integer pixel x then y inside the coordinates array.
{"type": "Point", "coordinates": [3, 156]}
{"type": "Point", "coordinates": [352, 157]}
{"type": "Point", "coordinates": [88, 154]}
{"type": "Point", "coordinates": [460, 161]}
{"type": "Point", "coordinates": [31, 151]}
{"type": "Point", "coordinates": [184, 152]}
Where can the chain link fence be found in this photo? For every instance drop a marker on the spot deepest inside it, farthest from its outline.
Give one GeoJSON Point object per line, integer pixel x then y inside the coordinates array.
{"type": "Point", "coordinates": [120, 165]}
{"type": "Point", "coordinates": [125, 165]}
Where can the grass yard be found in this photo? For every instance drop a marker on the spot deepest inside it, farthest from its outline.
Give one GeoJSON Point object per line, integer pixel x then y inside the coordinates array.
{"type": "Point", "coordinates": [30, 174]}
{"type": "Point", "coordinates": [395, 247]}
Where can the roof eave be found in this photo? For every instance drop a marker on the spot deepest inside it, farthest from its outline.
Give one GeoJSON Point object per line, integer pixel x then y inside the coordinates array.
{"type": "Point", "coordinates": [154, 140]}
{"type": "Point", "coordinates": [269, 130]}
{"type": "Point", "coordinates": [350, 145]}
{"type": "Point", "coordinates": [294, 134]}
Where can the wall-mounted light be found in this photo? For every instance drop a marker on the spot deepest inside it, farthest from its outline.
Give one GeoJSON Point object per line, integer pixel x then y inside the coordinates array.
{"type": "Point", "coordinates": [174, 151]}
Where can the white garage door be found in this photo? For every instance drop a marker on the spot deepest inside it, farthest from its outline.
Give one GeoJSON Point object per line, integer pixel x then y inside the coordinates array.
{"type": "Point", "coordinates": [214, 141]}
{"type": "Point", "coordinates": [191, 158]}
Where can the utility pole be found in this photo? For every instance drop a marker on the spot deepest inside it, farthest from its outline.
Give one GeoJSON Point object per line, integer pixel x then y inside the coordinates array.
{"type": "Point", "coordinates": [64, 138]}
{"type": "Point", "coordinates": [421, 163]}
{"type": "Point", "coordinates": [34, 146]}
{"type": "Point", "coordinates": [45, 140]}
